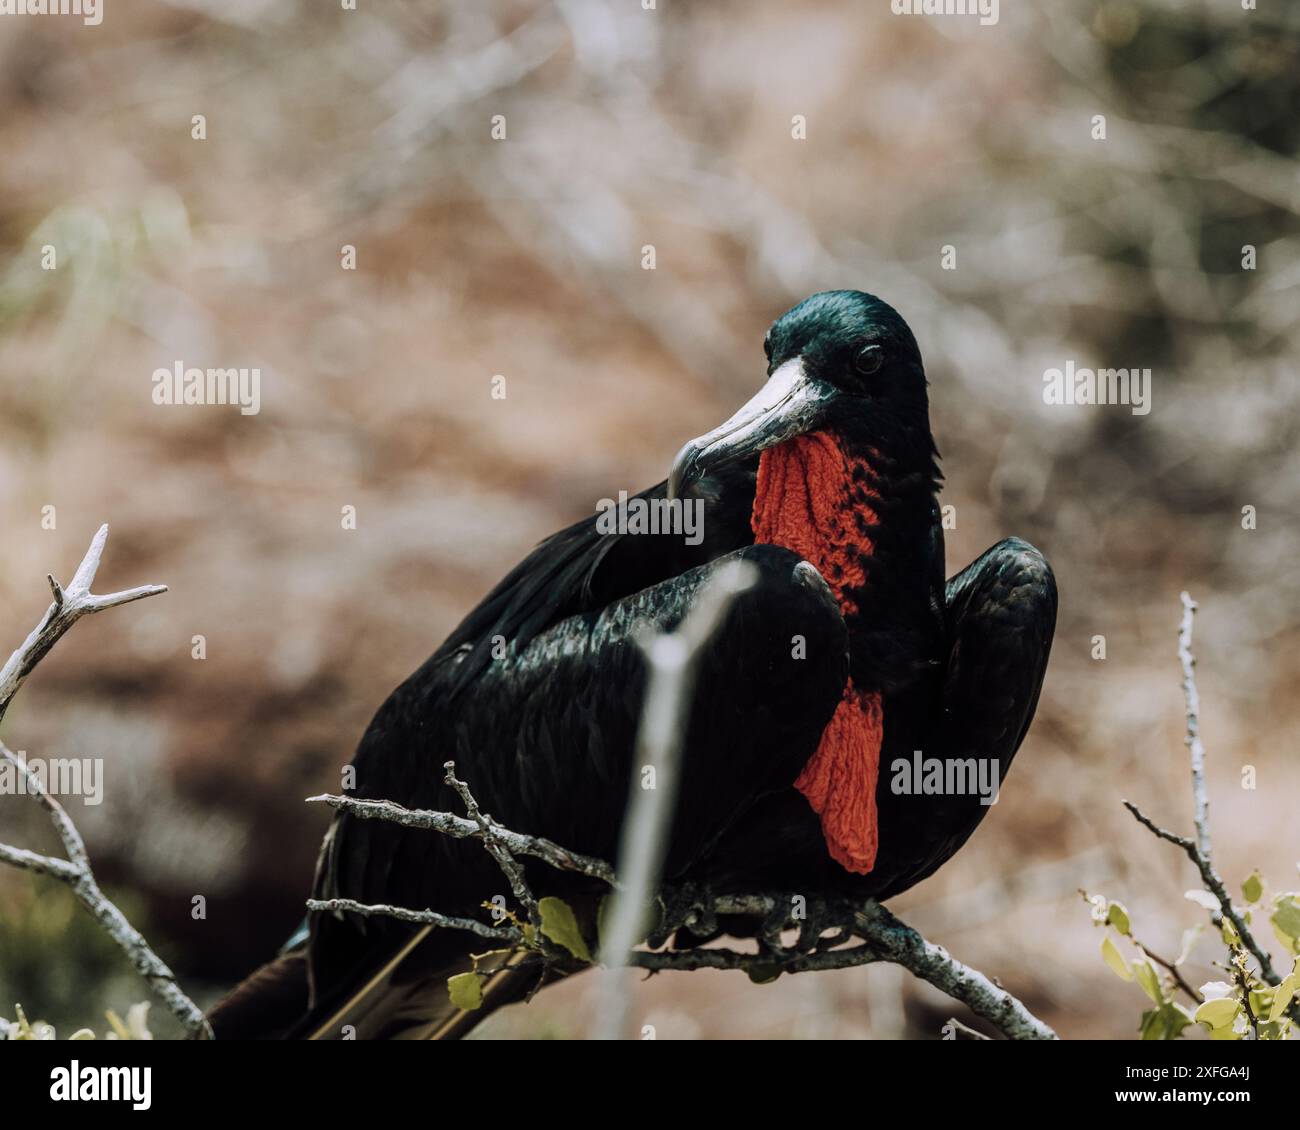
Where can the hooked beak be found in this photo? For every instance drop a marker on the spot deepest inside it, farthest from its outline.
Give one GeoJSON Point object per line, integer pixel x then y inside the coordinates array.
{"type": "Point", "coordinates": [790, 404]}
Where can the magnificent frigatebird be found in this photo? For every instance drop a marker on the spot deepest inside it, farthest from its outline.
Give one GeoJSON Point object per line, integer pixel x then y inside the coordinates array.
{"type": "Point", "coordinates": [847, 663]}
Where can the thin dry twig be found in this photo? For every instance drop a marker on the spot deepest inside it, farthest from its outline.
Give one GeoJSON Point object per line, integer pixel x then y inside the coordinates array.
{"type": "Point", "coordinates": [497, 849]}
{"type": "Point", "coordinates": [1243, 983]}
{"type": "Point", "coordinates": [420, 917]}
{"type": "Point", "coordinates": [1192, 701]}
{"type": "Point", "coordinates": [1198, 849]}
{"type": "Point", "coordinates": [561, 858]}
{"type": "Point", "coordinates": [1173, 970]}
{"type": "Point", "coordinates": [671, 659]}
{"type": "Point", "coordinates": [1214, 884]}
{"type": "Point", "coordinates": [957, 1026]}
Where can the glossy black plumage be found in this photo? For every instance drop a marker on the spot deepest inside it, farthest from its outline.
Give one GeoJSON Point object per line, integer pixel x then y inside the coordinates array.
{"type": "Point", "coordinates": [536, 694]}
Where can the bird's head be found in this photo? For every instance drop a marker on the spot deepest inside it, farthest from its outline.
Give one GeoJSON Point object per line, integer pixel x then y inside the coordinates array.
{"type": "Point", "coordinates": [841, 359]}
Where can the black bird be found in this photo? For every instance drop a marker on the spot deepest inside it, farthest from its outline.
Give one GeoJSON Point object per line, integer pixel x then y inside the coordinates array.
{"type": "Point", "coordinates": [847, 665]}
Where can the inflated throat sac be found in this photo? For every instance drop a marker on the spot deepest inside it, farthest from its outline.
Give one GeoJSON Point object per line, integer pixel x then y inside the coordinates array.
{"type": "Point", "coordinates": [807, 501]}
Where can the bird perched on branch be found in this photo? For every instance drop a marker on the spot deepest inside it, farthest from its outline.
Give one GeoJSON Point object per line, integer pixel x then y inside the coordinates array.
{"type": "Point", "coordinates": [849, 656]}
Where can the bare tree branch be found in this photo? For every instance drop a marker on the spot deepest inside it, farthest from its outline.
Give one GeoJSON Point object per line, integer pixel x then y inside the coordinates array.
{"type": "Point", "coordinates": [902, 945]}
{"type": "Point", "coordinates": [882, 937]}
{"type": "Point", "coordinates": [957, 1026]}
{"type": "Point", "coordinates": [70, 605]}
{"type": "Point", "coordinates": [32, 861]}
{"type": "Point", "coordinates": [460, 828]}
{"type": "Point", "coordinates": [670, 660]}
{"type": "Point", "coordinates": [719, 958]}
{"type": "Point", "coordinates": [1192, 699]}
{"type": "Point", "coordinates": [76, 872]}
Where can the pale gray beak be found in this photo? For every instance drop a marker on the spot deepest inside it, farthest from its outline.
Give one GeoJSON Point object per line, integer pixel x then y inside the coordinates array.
{"type": "Point", "coordinates": [790, 404]}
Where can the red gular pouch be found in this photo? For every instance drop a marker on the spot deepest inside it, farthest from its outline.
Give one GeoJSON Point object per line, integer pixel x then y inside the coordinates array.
{"type": "Point", "coordinates": [804, 501]}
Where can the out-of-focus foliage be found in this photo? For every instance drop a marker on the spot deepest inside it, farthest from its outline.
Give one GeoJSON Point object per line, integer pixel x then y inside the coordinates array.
{"type": "Point", "coordinates": [135, 1027]}
{"type": "Point", "coordinates": [48, 940]}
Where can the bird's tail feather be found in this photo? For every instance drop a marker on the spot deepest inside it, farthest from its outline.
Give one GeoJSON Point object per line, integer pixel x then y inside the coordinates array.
{"type": "Point", "coordinates": [266, 1005]}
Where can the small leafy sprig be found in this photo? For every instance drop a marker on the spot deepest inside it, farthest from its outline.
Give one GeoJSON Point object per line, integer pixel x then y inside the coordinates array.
{"type": "Point", "coordinates": [1245, 1006]}
{"type": "Point", "coordinates": [1256, 1002]}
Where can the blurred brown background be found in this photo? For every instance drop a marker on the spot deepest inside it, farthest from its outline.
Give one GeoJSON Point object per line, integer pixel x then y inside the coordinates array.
{"type": "Point", "coordinates": [522, 257]}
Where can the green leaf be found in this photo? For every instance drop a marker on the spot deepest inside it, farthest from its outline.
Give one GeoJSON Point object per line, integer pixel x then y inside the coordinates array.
{"type": "Point", "coordinates": [1282, 997]}
{"type": "Point", "coordinates": [1261, 1001]}
{"type": "Point", "coordinates": [1117, 916]}
{"type": "Point", "coordinates": [466, 991]}
{"type": "Point", "coordinates": [1111, 956]}
{"type": "Point", "coordinates": [1289, 942]}
{"type": "Point", "coordinates": [1202, 898]}
{"type": "Point", "coordinates": [1189, 940]}
{"type": "Point", "coordinates": [1165, 1023]}
{"type": "Point", "coordinates": [1149, 980]}
{"type": "Point", "coordinates": [1286, 920]}
{"type": "Point", "coordinates": [1218, 1013]}
{"type": "Point", "coordinates": [561, 926]}
{"type": "Point", "coordinates": [1152, 1025]}
{"type": "Point", "coordinates": [1253, 887]}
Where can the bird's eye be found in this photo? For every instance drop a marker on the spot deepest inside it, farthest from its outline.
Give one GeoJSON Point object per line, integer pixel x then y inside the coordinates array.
{"type": "Point", "coordinates": [869, 359]}
{"type": "Point", "coordinates": [767, 344]}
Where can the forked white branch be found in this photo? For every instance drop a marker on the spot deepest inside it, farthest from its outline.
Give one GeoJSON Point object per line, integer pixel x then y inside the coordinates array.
{"type": "Point", "coordinates": [70, 605]}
